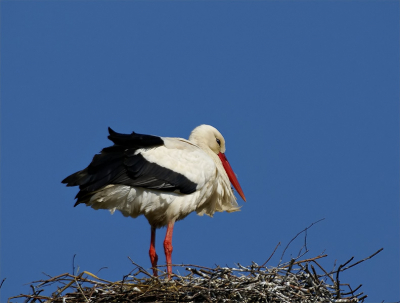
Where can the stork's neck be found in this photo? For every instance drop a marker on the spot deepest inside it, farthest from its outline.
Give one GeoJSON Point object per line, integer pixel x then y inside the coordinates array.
{"type": "Point", "coordinates": [213, 155]}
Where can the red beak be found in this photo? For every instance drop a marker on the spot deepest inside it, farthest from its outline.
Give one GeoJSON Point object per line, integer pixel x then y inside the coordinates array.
{"type": "Point", "coordinates": [231, 175]}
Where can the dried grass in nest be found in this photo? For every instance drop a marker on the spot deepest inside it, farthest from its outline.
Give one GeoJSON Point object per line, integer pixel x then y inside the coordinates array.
{"type": "Point", "coordinates": [295, 281]}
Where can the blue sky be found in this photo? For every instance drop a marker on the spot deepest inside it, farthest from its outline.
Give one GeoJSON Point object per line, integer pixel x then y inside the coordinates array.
{"type": "Point", "coordinates": [306, 94]}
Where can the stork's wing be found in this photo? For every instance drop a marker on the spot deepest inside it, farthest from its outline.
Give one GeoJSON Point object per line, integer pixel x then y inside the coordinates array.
{"type": "Point", "coordinates": [146, 161]}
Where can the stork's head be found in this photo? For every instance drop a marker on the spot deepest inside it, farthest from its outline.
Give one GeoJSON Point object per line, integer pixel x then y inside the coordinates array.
{"type": "Point", "coordinates": [206, 136]}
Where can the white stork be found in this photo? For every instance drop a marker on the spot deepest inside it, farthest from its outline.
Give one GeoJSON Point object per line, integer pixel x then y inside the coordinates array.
{"type": "Point", "coordinates": [164, 179]}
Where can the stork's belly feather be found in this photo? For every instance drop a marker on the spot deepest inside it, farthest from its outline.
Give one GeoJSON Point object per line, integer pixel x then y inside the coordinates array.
{"type": "Point", "coordinates": [161, 207]}
{"type": "Point", "coordinates": [158, 207]}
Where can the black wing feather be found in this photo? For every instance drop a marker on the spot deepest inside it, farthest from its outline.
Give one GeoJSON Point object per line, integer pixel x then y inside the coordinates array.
{"type": "Point", "coordinates": [120, 164]}
{"type": "Point", "coordinates": [134, 140]}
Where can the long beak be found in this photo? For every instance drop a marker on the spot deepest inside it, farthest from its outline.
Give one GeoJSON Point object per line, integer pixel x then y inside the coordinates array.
{"type": "Point", "coordinates": [231, 175]}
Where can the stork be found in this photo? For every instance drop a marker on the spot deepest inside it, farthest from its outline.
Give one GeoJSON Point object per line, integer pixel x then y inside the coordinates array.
{"type": "Point", "coordinates": [162, 178]}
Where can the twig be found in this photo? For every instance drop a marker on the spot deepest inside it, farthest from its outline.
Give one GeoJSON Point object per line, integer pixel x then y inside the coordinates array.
{"type": "Point", "coordinates": [307, 260]}
{"type": "Point", "coordinates": [271, 255]}
{"type": "Point", "coordinates": [184, 265]}
{"type": "Point", "coordinates": [374, 254]}
{"type": "Point", "coordinates": [104, 267]}
{"type": "Point", "coordinates": [80, 289]}
{"type": "Point", "coordinates": [140, 267]}
{"type": "Point", "coordinates": [326, 274]}
{"type": "Point", "coordinates": [287, 246]}
{"type": "Point", "coordinates": [73, 265]}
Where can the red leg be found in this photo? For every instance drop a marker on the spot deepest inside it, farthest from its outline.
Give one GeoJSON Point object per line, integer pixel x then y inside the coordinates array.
{"type": "Point", "coordinates": [168, 247]}
{"type": "Point", "coordinates": [152, 251]}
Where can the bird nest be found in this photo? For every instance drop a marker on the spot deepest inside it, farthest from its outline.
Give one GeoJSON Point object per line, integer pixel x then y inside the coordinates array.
{"type": "Point", "coordinates": [299, 280]}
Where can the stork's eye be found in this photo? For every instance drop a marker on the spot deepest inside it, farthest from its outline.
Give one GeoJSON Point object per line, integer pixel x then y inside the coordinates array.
{"type": "Point", "coordinates": [218, 141]}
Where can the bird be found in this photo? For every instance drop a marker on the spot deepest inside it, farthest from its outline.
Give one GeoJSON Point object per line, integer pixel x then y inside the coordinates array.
{"type": "Point", "coordinates": [163, 178]}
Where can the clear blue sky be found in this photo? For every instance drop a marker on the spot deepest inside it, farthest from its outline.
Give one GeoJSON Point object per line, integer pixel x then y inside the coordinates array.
{"type": "Point", "coordinates": [306, 94]}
